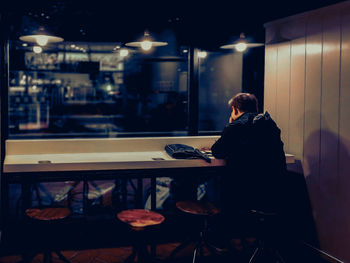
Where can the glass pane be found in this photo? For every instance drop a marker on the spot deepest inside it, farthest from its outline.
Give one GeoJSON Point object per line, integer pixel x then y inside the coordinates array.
{"type": "Point", "coordinates": [220, 78]}
{"type": "Point", "coordinates": [85, 89]}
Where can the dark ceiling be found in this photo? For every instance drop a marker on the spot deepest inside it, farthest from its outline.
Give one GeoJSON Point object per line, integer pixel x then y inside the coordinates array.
{"type": "Point", "coordinates": [206, 24]}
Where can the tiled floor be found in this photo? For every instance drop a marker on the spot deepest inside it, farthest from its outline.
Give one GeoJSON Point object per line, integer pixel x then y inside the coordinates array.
{"type": "Point", "coordinates": [109, 255]}
{"type": "Point", "coordinates": [294, 254]}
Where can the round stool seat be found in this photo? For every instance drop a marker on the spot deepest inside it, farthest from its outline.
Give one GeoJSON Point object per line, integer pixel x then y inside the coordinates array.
{"type": "Point", "coordinates": [140, 217]}
{"type": "Point", "coordinates": [46, 214]}
{"type": "Point", "coordinates": [202, 208]}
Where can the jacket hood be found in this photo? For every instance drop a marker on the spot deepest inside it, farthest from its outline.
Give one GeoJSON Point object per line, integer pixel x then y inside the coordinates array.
{"type": "Point", "coordinates": [262, 117]}
{"type": "Point", "coordinates": [266, 124]}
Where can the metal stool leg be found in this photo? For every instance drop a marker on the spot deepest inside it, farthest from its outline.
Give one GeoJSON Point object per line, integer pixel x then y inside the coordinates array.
{"type": "Point", "coordinates": [132, 257]}
{"type": "Point", "coordinates": [195, 254]}
{"type": "Point", "coordinates": [254, 254]}
{"type": "Point", "coordinates": [47, 257]}
{"type": "Point", "coordinates": [277, 255]}
{"type": "Point", "coordinates": [180, 247]}
{"type": "Point", "coordinates": [61, 257]}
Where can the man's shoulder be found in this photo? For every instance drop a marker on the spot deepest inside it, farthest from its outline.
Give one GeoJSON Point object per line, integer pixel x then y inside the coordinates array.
{"type": "Point", "coordinates": [235, 124]}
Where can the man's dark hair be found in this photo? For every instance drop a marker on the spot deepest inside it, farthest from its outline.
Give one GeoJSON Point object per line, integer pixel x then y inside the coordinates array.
{"type": "Point", "coordinates": [245, 102]}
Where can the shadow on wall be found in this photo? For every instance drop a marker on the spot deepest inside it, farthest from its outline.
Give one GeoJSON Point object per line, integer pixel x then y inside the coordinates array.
{"type": "Point", "coordinates": [326, 170]}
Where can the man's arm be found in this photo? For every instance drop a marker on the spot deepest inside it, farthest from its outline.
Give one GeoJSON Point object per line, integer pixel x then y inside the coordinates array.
{"type": "Point", "coordinates": [223, 146]}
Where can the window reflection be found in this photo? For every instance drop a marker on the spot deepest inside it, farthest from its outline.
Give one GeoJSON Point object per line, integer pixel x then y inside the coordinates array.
{"type": "Point", "coordinates": [95, 90]}
{"type": "Point", "coordinates": [220, 77]}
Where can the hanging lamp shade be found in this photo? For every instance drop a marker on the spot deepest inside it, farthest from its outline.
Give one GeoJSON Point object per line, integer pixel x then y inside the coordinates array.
{"type": "Point", "coordinates": [146, 42]}
{"type": "Point", "coordinates": [41, 38]}
{"type": "Point", "coordinates": [241, 44]}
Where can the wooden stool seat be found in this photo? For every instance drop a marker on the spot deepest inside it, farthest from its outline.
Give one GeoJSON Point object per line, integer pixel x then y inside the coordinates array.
{"type": "Point", "coordinates": [140, 217]}
{"type": "Point", "coordinates": [45, 215]}
{"type": "Point", "coordinates": [48, 214]}
{"type": "Point", "coordinates": [202, 208]}
{"type": "Point", "coordinates": [138, 220]}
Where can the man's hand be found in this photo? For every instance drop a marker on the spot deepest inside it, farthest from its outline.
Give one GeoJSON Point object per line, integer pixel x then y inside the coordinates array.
{"type": "Point", "coordinates": [231, 119]}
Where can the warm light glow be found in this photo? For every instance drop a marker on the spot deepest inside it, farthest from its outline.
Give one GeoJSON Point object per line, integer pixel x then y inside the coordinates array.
{"type": "Point", "coordinates": [109, 87]}
{"type": "Point", "coordinates": [240, 47]}
{"type": "Point", "coordinates": [124, 52]}
{"type": "Point", "coordinates": [146, 45]}
{"type": "Point", "coordinates": [202, 54]}
{"type": "Point", "coordinates": [41, 40]}
{"type": "Point", "coordinates": [313, 48]}
{"type": "Point", "coordinates": [24, 44]}
{"type": "Point", "coordinates": [37, 49]}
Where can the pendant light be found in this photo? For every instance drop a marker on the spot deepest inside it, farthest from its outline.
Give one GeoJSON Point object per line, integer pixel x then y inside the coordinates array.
{"type": "Point", "coordinates": [41, 38]}
{"type": "Point", "coordinates": [241, 44]}
{"type": "Point", "coordinates": [146, 43]}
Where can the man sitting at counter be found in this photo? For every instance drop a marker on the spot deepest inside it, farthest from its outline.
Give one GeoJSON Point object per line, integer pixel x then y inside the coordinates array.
{"type": "Point", "coordinates": [255, 164]}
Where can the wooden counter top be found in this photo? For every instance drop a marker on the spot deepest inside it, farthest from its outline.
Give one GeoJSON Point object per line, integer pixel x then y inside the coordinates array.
{"type": "Point", "coordinates": [99, 161]}
{"type": "Point", "coordinates": [102, 154]}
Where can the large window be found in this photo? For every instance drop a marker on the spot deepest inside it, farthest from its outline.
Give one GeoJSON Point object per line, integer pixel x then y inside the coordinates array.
{"type": "Point", "coordinates": [96, 89]}
{"type": "Point", "coordinates": [220, 78]}
{"type": "Point", "coordinates": [83, 89]}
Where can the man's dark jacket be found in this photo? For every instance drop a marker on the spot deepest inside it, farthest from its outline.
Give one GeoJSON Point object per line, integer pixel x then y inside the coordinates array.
{"type": "Point", "coordinates": [255, 163]}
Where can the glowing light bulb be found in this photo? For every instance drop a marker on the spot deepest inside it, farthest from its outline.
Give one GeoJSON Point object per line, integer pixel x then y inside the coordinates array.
{"type": "Point", "coordinates": [202, 54]}
{"type": "Point", "coordinates": [124, 52]}
{"type": "Point", "coordinates": [37, 49]}
{"type": "Point", "coordinates": [42, 40]}
{"type": "Point", "coordinates": [146, 45]}
{"type": "Point", "coordinates": [240, 47]}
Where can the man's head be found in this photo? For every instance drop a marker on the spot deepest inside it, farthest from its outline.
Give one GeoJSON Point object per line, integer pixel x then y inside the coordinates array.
{"type": "Point", "coordinates": [243, 103]}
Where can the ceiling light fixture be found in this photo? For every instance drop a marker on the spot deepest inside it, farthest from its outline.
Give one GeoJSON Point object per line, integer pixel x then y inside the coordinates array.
{"type": "Point", "coordinates": [202, 54]}
{"type": "Point", "coordinates": [124, 52]}
{"type": "Point", "coordinates": [41, 38]}
{"type": "Point", "coordinates": [241, 44]}
{"type": "Point", "coordinates": [146, 43]}
{"type": "Point", "coordinates": [37, 49]}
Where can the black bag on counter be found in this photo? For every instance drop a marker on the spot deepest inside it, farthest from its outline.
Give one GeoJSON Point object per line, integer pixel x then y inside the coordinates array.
{"type": "Point", "coordinates": [182, 151]}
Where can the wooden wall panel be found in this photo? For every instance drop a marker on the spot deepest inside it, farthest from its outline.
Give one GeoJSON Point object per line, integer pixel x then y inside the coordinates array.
{"type": "Point", "coordinates": [313, 61]}
{"type": "Point", "coordinates": [297, 88]}
{"type": "Point", "coordinates": [270, 80]}
{"type": "Point", "coordinates": [319, 115]}
{"type": "Point", "coordinates": [282, 91]}
{"type": "Point", "coordinates": [343, 197]}
{"type": "Point", "coordinates": [328, 207]}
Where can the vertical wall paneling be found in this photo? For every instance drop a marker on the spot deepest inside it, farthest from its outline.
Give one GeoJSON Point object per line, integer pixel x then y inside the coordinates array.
{"type": "Point", "coordinates": [319, 114]}
{"type": "Point", "coordinates": [313, 87]}
{"type": "Point", "coordinates": [329, 129]}
{"type": "Point", "coordinates": [343, 230]}
{"type": "Point", "coordinates": [270, 79]}
{"type": "Point", "coordinates": [297, 87]}
{"type": "Point", "coordinates": [282, 91]}
{"type": "Point", "coordinates": [313, 62]}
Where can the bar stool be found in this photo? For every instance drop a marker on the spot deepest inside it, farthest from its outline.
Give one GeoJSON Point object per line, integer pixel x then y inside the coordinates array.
{"type": "Point", "coordinates": [203, 210]}
{"type": "Point", "coordinates": [267, 237]}
{"type": "Point", "coordinates": [45, 217]}
{"type": "Point", "coordinates": [42, 217]}
{"type": "Point", "coordinates": [139, 220]}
